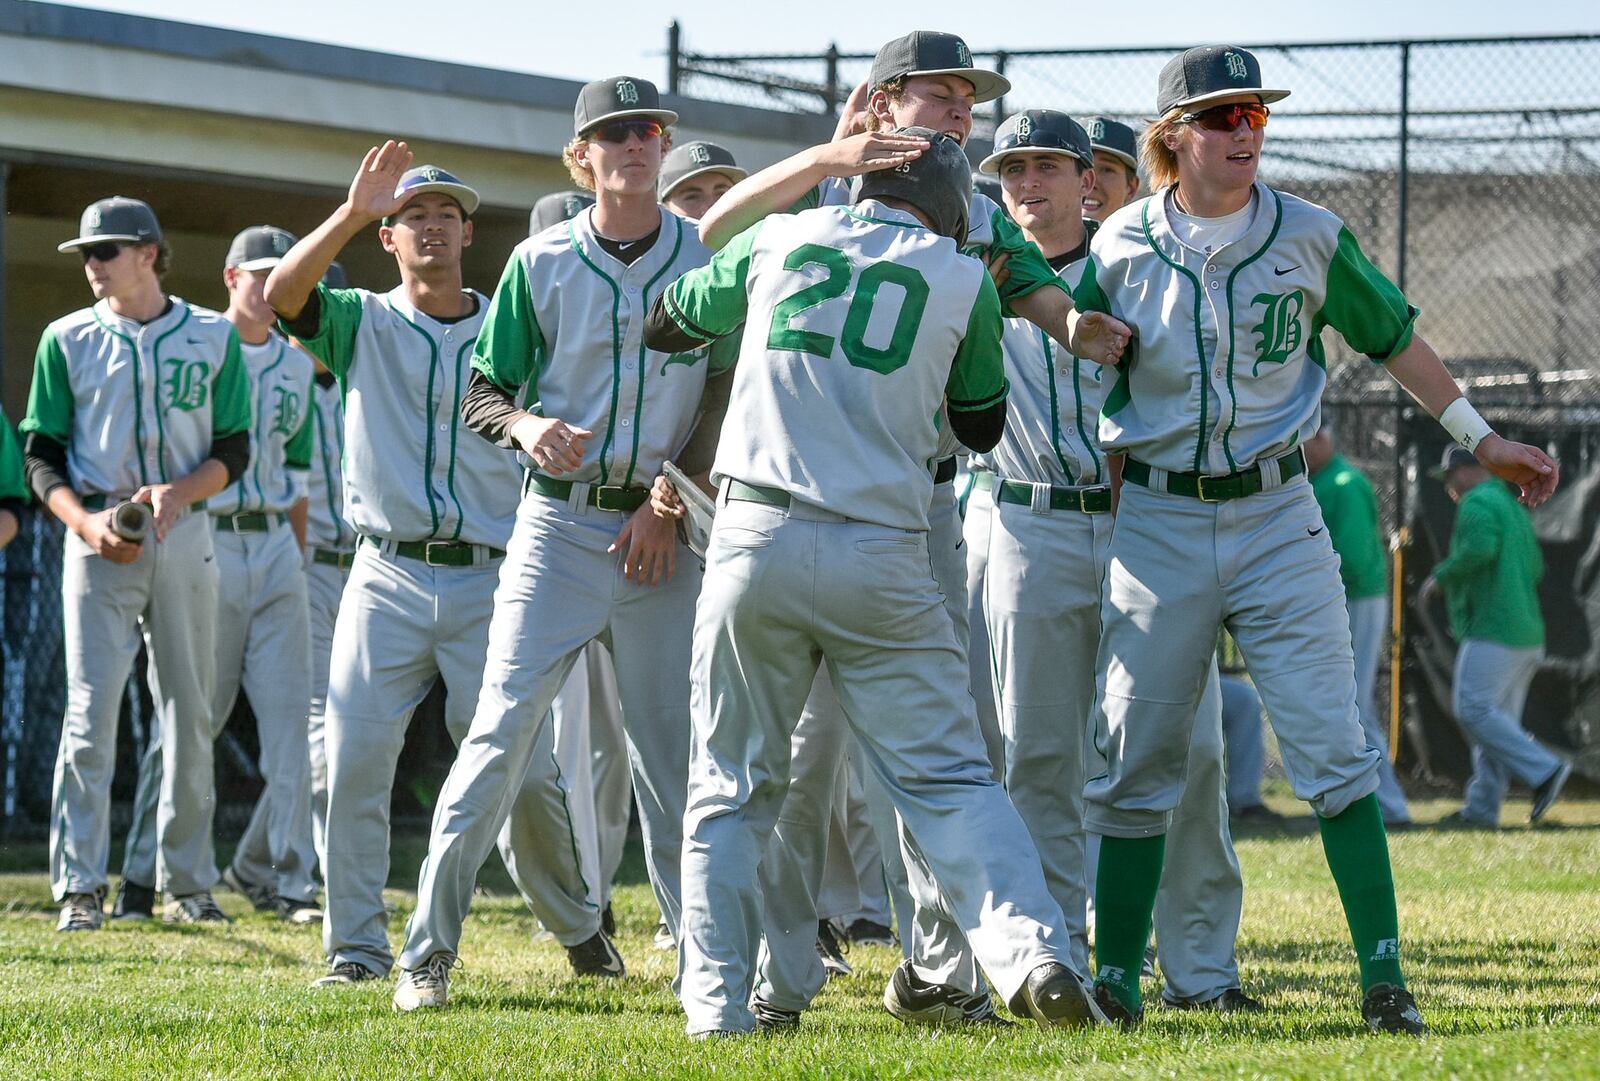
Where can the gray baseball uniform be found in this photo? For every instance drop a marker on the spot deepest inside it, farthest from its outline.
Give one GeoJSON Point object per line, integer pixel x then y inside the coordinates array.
{"type": "Point", "coordinates": [262, 644]}
{"type": "Point", "coordinates": [135, 404]}
{"type": "Point", "coordinates": [432, 505]}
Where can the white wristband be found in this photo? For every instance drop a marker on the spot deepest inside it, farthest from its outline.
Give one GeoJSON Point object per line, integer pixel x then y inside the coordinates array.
{"type": "Point", "coordinates": [1464, 424]}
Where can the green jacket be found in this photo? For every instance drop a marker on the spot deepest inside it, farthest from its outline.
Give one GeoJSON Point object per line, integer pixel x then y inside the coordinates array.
{"type": "Point", "coordinates": [1491, 575]}
{"type": "Point", "coordinates": [1351, 511]}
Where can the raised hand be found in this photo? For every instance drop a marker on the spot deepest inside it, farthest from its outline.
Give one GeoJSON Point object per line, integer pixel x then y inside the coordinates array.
{"type": "Point", "coordinates": [372, 191]}
{"type": "Point", "coordinates": [869, 152]}
{"type": "Point", "coordinates": [1533, 471]}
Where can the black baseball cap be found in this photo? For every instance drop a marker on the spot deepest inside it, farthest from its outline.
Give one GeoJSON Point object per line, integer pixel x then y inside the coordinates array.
{"type": "Point", "coordinates": [620, 96]}
{"type": "Point", "coordinates": [557, 207]}
{"type": "Point", "coordinates": [1208, 72]}
{"type": "Point", "coordinates": [425, 178]}
{"type": "Point", "coordinates": [1039, 131]}
{"type": "Point", "coordinates": [1455, 457]}
{"type": "Point", "coordinates": [335, 277]}
{"type": "Point", "coordinates": [691, 160]}
{"type": "Point", "coordinates": [929, 52]}
{"type": "Point", "coordinates": [260, 247]}
{"type": "Point", "coordinates": [1115, 138]}
{"type": "Point", "coordinates": [119, 218]}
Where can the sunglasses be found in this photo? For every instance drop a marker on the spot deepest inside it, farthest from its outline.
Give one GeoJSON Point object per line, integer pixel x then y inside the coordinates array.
{"type": "Point", "coordinates": [618, 130]}
{"type": "Point", "coordinates": [1227, 117]}
{"type": "Point", "coordinates": [103, 252]}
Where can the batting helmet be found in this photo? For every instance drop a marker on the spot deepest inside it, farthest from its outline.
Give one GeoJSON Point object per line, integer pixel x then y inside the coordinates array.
{"type": "Point", "coordinates": [939, 183]}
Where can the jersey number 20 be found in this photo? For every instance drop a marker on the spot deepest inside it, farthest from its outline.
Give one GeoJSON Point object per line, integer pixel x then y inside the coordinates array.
{"type": "Point", "coordinates": [785, 335]}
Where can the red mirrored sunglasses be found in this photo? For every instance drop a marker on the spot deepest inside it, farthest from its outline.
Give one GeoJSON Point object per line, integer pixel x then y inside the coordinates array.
{"type": "Point", "coordinates": [1227, 117]}
{"type": "Point", "coordinates": [618, 130]}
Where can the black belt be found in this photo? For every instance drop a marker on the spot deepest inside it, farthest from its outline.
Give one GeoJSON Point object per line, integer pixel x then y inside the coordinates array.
{"type": "Point", "coordinates": [945, 470]}
{"type": "Point", "coordinates": [601, 496]}
{"type": "Point", "coordinates": [96, 501]}
{"type": "Point", "coordinates": [757, 493]}
{"type": "Point", "coordinates": [441, 553]}
{"type": "Point", "coordinates": [249, 522]}
{"type": "Point", "coordinates": [1218, 488]}
{"type": "Point", "coordinates": [1095, 500]}
{"type": "Point", "coordinates": [330, 557]}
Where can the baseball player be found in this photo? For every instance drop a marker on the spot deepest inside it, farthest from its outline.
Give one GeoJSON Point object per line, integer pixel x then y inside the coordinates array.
{"type": "Point", "coordinates": [13, 483]}
{"type": "Point", "coordinates": [1351, 510]}
{"type": "Point", "coordinates": [140, 397]}
{"type": "Point", "coordinates": [1228, 284]}
{"type": "Point", "coordinates": [1116, 168]}
{"type": "Point", "coordinates": [262, 645]}
{"type": "Point", "coordinates": [599, 412]}
{"type": "Point", "coordinates": [432, 508]}
{"type": "Point", "coordinates": [694, 176]}
{"type": "Point", "coordinates": [860, 322]}
{"type": "Point", "coordinates": [1046, 543]}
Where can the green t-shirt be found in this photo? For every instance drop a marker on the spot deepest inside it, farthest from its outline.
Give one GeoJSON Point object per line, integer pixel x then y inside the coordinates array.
{"type": "Point", "coordinates": [1491, 575]}
{"type": "Point", "coordinates": [1351, 511]}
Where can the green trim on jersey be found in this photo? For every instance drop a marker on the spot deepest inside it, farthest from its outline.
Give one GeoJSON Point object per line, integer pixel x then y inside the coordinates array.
{"type": "Point", "coordinates": [1055, 413]}
{"type": "Point", "coordinates": [428, 447]}
{"type": "Point", "coordinates": [1089, 297]}
{"type": "Point", "coordinates": [1233, 413]}
{"type": "Point", "coordinates": [711, 301]}
{"type": "Point", "coordinates": [644, 369]}
{"type": "Point", "coordinates": [1199, 340]}
{"type": "Point", "coordinates": [455, 427]}
{"type": "Point", "coordinates": [334, 505]}
{"type": "Point", "coordinates": [340, 314]}
{"type": "Point", "coordinates": [161, 420]}
{"type": "Point", "coordinates": [809, 201]}
{"type": "Point", "coordinates": [230, 392]}
{"type": "Point", "coordinates": [138, 390]}
{"type": "Point", "coordinates": [616, 350]}
{"type": "Point", "coordinates": [297, 451]}
{"type": "Point", "coordinates": [51, 405]}
{"type": "Point", "coordinates": [510, 350]}
{"type": "Point", "coordinates": [978, 372]}
{"type": "Point", "coordinates": [260, 441]}
{"type": "Point", "coordinates": [1364, 306]}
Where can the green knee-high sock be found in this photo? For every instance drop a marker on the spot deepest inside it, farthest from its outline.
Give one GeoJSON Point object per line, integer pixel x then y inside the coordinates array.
{"type": "Point", "coordinates": [1358, 854]}
{"type": "Point", "coordinates": [1124, 898]}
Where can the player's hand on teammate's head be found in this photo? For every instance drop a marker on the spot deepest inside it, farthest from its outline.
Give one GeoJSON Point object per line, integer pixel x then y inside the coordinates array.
{"type": "Point", "coordinates": [664, 500]}
{"type": "Point", "coordinates": [1533, 471]}
{"type": "Point", "coordinates": [649, 547]}
{"type": "Point", "coordinates": [1100, 337]}
{"type": "Point", "coordinates": [869, 152]}
{"type": "Point", "coordinates": [372, 192]}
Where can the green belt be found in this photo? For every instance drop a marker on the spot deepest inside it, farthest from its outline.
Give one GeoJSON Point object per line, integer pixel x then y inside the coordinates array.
{"type": "Point", "coordinates": [249, 522]}
{"type": "Point", "coordinates": [328, 557]}
{"type": "Point", "coordinates": [440, 553]}
{"type": "Point", "coordinates": [757, 493]}
{"type": "Point", "coordinates": [97, 501]}
{"type": "Point", "coordinates": [1217, 489]}
{"type": "Point", "coordinates": [601, 496]}
{"type": "Point", "coordinates": [1020, 493]}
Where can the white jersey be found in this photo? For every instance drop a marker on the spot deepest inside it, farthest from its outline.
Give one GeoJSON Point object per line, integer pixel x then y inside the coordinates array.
{"type": "Point", "coordinates": [280, 436]}
{"type": "Point", "coordinates": [412, 470]}
{"type": "Point", "coordinates": [325, 522]}
{"type": "Point", "coordinates": [137, 403]}
{"type": "Point", "coordinates": [1229, 366]}
{"type": "Point", "coordinates": [859, 324]}
{"type": "Point", "coordinates": [566, 334]}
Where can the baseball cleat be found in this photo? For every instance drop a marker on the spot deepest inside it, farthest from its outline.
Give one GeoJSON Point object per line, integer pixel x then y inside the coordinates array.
{"type": "Point", "coordinates": [596, 956]}
{"type": "Point", "coordinates": [1460, 820]}
{"type": "Point", "coordinates": [82, 911]}
{"type": "Point", "coordinates": [1550, 791]}
{"type": "Point", "coordinates": [346, 972]}
{"type": "Point", "coordinates": [1233, 1000]}
{"type": "Point", "coordinates": [1055, 998]}
{"type": "Point", "coordinates": [870, 933]}
{"type": "Point", "coordinates": [297, 912]}
{"type": "Point", "coordinates": [770, 1018]}
{"type": "Point", "coordinates": [134, 903]}
{"type": "Point", "coordinates": [831, 950]}
{"type": "Point", "coordinates": [916, 1002]}
{"type": "Point", "coordinates": [261, 897]}
{"type": "Point", "coordinates": [1113, 1011]}
{"type": "Point", "coordinates": [663, 939]}
{"type": "Point", "coordinates": [425, 988]}
{"type": "Point", "coordinates": [1387, 1008]}
{"type": "Point", "coordinates": [194, 908]}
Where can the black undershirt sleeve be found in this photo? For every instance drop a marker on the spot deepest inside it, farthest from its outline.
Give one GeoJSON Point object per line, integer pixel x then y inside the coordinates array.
{"type": "Point", "coordinates": [979, 429]}
{"type": "Point", "coordinates": [489, 410]}
{"type": "Point", "coordinates": [663, 334]}
{"type": "Point", "coordinates": [233, 451]}
{"type": "Point", "coordinates": [305, 325]}
{"type": "Point", "coordinates": [45, 461]}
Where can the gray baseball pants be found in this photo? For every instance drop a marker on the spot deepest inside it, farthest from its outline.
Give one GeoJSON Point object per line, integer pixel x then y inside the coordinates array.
{"type": "Point", "coordinates": [1491, 689]}
{"type": "Point", "coordinates": [324, 588]}
{"type": "Point", "coordinates": [1369, 627]}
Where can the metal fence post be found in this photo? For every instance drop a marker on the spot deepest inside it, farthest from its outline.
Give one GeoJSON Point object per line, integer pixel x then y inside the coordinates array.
{"type": "Point", "coordinates": [1401, 402]}
{"type": "Point", "coordinates": [674, 41]}
{"type": "Point", "coordinates": [831, 81]}
{"type": "Point", "coordinates": [1000, 102]}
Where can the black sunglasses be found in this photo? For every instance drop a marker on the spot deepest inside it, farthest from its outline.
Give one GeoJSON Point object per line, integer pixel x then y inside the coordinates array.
{"type": "Point", "coordinates": [103, 252]}
{"type": "Point", "coordinates": [618, 130]}
{"type": "Point", "coordinates": [1227, 117]}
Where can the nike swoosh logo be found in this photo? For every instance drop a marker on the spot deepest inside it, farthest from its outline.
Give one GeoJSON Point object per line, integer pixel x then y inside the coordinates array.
{"type": "Point", "coordinates": [613, 964]}
{"type": "Point", "coordinates": [1281, 273]}
{"type": "Point", "coordinates": [1314, 532]}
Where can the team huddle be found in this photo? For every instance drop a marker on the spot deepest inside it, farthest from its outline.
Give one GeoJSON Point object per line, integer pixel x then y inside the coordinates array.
{"type": "Point", "coordinates": [988, 480]}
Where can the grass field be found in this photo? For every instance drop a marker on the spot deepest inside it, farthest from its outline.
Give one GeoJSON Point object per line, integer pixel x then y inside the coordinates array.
{"type": "Point", "coordinates": [1502, 940]}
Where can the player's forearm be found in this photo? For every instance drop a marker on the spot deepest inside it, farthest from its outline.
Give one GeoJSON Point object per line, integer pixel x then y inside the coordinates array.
{"type": "Point", "coordinates": [1051, 311]}
{"type": "Point", "coordinates": [1419, 370]}
{"type": "Point", "coordinates": [206, 481]}
{"type": "Point", "coordinates": [292, 280]}
{"type": "Point", "coordinates": [773, 190]}
{"type": "Point", "coordinates": [68, 509]}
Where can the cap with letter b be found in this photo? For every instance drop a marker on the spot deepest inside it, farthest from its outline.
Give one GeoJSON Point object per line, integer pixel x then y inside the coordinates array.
{"type": "Point", "coordinates": [557, 207]}
{"type": "Point", "coordinates": [1039, 131]}
{"type": "Point", "coordinates": [930, 52]}
{"type": "Point", "coordinates": [260, 247]}
{"type": "Point", "coordinates": [1114, 138]}
{"type": "Point", "coordinates": [616, 98]}
{"type": "Point", "coordinates": [693, 159]}
{"type": "Point", "coordinates": [421, 179]}
{"type": "Point", "coordinates": [1203, 74]}
{"type": "Point", "coordinates": [116, 219]}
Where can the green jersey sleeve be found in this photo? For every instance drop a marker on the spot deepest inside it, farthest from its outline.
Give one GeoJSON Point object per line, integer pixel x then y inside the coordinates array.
{"type": "Point", "coordinates": [297, 452]}
{"type": "Point", "coordinates": [335, 340]}
{"type": "Point", "coordinates": [1474, 546]}
{"type": "Point", "coordinates": [977, 375]}
{"type": "Point", "coordinates": [13, 479]}
{"type": "Point", "coordinates": [230, 393]}
{"type": "Point", "coordinates": [711, 301]}
{"type": "Point", "coordinates": [50, 401]}
{"type": "Point", "coordinates": [809, 201]}
{"type": "Point", "coordinates": [724, 353]}
{"type": "Point", "coordinates": [511, 352]}
{"type": "Point", "coordinates": [1028, 269]}
{"type": "Point", "coordinates": [1365, 307]}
